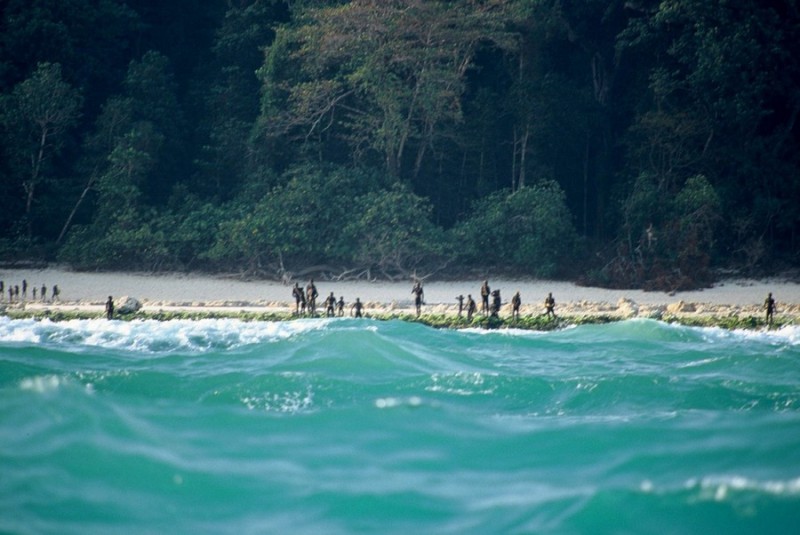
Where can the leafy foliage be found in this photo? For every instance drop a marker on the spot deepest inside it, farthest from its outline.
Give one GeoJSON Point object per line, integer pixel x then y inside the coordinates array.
{"type": "Point", "coordinates": [36, 118]}
{"type": "Point", "coordinates": [393, 232]}
{"type": "Point", "coordinates": [669, 239]}
{"type": "Point", "coordinates": [527, 231]}
{"type": "Point", "coordinates": [393, 136]}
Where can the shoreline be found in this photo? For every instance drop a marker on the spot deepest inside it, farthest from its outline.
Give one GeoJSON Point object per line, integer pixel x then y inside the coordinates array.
{"type": "Point", "coordinates": [539, 322]}
{"type": "Point", "coordinates": [729, 302]}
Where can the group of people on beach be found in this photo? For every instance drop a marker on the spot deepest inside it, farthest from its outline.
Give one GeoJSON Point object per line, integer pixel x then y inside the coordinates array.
{"type": "Point", "coordinates": [492, 307]}
{"type": "Point", "coordinates": [18, 293]}
{"type": "Point", "coordinates": [306, 302]}
{"type": "Point", "coordinates": [491, 302]}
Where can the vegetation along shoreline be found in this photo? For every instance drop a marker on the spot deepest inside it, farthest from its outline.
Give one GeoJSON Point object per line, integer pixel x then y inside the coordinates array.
{"type": "Point", "coordinates": [435, 320]}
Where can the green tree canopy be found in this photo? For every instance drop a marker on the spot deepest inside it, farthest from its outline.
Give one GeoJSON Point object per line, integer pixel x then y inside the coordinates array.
{"type": "Point", "coordinates": [36, 116]}
{"type": "Point", "coordinates": [527, 231]}
{"type": "Point", "coordinates": [382, 78]}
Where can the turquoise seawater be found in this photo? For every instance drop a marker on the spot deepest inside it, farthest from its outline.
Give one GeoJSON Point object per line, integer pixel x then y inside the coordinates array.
{"type": "Point", "coordinates": [355, 426]}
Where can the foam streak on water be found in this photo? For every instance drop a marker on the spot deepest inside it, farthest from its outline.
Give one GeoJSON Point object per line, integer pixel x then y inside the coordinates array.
{"type": "Point", "coordinates": [348, 426]}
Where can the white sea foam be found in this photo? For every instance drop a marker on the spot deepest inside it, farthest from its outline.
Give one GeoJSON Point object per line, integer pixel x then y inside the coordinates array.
{"type": "Point", "coordinates": [42, 383]}
{"type": "Point", "coordinates": [505, 332]}
{"type": "Point", "coordinates": [281, 402]}
{"type": "Point", "coordinates": [460, 384]}
{"type": "Point", "coordinates": [787, 334]}
{"type": "Point", "coordinates": [393, 402]}
{"type": "Point", "coordinates": [719, 488]}
{"type": "Point", "coordinates": [701, 362]}
{"type": "Point", "coordinates": [154, 336]}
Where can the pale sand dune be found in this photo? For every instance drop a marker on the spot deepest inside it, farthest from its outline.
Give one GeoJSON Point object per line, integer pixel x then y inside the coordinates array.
{"type": "Point", "coordinates": [169, 291]}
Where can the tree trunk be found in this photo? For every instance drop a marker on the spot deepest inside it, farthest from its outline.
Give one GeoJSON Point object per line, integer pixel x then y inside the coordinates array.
{"type": "Point", "coordinates": [514, 145]}
{"type": "Point", "coordinates": [522, 157]}
{"type": "Point", "coordinates": [75, 209]}
{"type": "Point", "coordinates": [586, 187]}
{"type": "Point", "coordinates": [30, 187]}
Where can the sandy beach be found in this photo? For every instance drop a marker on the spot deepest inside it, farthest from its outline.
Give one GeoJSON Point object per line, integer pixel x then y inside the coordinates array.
{"type": "Point", "coordinates": [167, 292]}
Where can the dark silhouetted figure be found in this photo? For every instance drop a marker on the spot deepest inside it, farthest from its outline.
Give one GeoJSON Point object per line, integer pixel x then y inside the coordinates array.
{"type": "Point", "coordinates": [16, 292]}
{"type": "Point", "coordinates": [34, 293]}
{"type": "Point", "coordinates": [330, 305]}
{"type": "Point", "coordinates": [496, 303]}
{"type": "Point", "coordinates": [356, 308]}
{"type": "Point", "coordinates": [299, 297]}
{"type": "Point", "coordinates": [44, 293]}
{"type": "Point", "coordinates": [56, 292]}
{"type": "Point", "coordinates": [485, 292]}
{"type": "Point", "coordinates": [110, 308]}
{"type": "Point", "coordinates": [460, 300]}
{"type": "Point", "coordinates": [24, 289]}
{"type": "Point", "coordinates": [340, 306]}
{"type": "Point", "coordinates": [550, 305]}
{"type": "Point", "coordinates": [311, 297]}
{"type": "Point", "coordinates": [10, 294]}
{"type": "Point", "coordinates": [769, 306]}
{"type": "Point", "coordinates": [516, 301]}
{"type": "Point", "coordinates": [2, 290]}
{"type": "Point", "coordinates": [471, 307]}
{"type": "Point", "coordinates": [419, 296]}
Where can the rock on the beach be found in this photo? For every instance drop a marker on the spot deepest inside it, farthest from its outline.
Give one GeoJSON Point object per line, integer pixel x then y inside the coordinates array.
{"type": "Point", "coordinates": [655, 312]}
{"type": "Point", "coordinates": [627, 307]}
{"type": "Point", "coordinates": [127, 305]}
{"type": "Point", "coordinates": [680, 306]}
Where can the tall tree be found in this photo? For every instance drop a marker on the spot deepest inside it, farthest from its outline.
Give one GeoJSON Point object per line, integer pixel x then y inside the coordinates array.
{"type": "Point", "coordinates": [382, 77]}
{"type": "Point", "coordinates": [725, 104]}
{"type": "Point", "coordinates": [37, 115]}
{"type": "Point", "coordinates": [229, 91]}
{"type": "Point", "coordinates": [132, 156]}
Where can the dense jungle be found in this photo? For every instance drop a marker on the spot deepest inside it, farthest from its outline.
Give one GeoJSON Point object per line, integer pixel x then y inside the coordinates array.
{"type": "Point", "coordinates": [621, 143]}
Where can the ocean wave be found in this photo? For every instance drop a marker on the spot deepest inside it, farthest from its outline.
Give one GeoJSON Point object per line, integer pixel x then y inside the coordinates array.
{"type": "Point", "coordinates": [633, 427]}
{"type": "Point", "coordinates": [206, 335]}
{"type": "Point", "coordinates": [151, 336]}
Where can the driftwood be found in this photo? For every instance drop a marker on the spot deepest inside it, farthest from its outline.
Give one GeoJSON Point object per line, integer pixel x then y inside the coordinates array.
{"type": "Point", "coordinates": [327, 272]}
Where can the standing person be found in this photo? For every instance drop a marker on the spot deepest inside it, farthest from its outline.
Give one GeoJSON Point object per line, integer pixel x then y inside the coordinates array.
{"type": "Point", "coordinates": [16, 292]}
{"type": "Point", "coordinates": [24, 289]}
{"type": "Point", "coordinates": [299, 297]}
{"type": "Point", "coordinates": [110, 308]}
{"type": "Point", "coordinates": [330, 305]}
{"type": "Point", "coordinates": [769, 306]}
{"type": "Point", "coordinates": [460, 300]}
{"type": "Point", "coordinates": [418, 296]}
{"type": "Point", "coordinates": [516, 301]}
{"type": "Point", "coordinates": [44, 293]}
{"type": "Point", "coordinates": [10, 294]}
{"type": "Point", "coordinates": [471, 307]}
{"type": "Point", "coordinates": [56, 292]}
{"type": "Point", "coordinates": [2, 289]}
{"type": "Point", "coordinates": [340, 306]}
{"type": "Point", "coordinates": [34, 293]}
{"type": "Point", "coordinates": [356, 308]}
{"type": "Point", "coordinates": [485, 297]}
{"type": "Point", "coordinates": [550, 305]}
{"type": "Point", "coordinates": [496, 303]}
{"type": "Point", "coordinates": [311, 297]}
